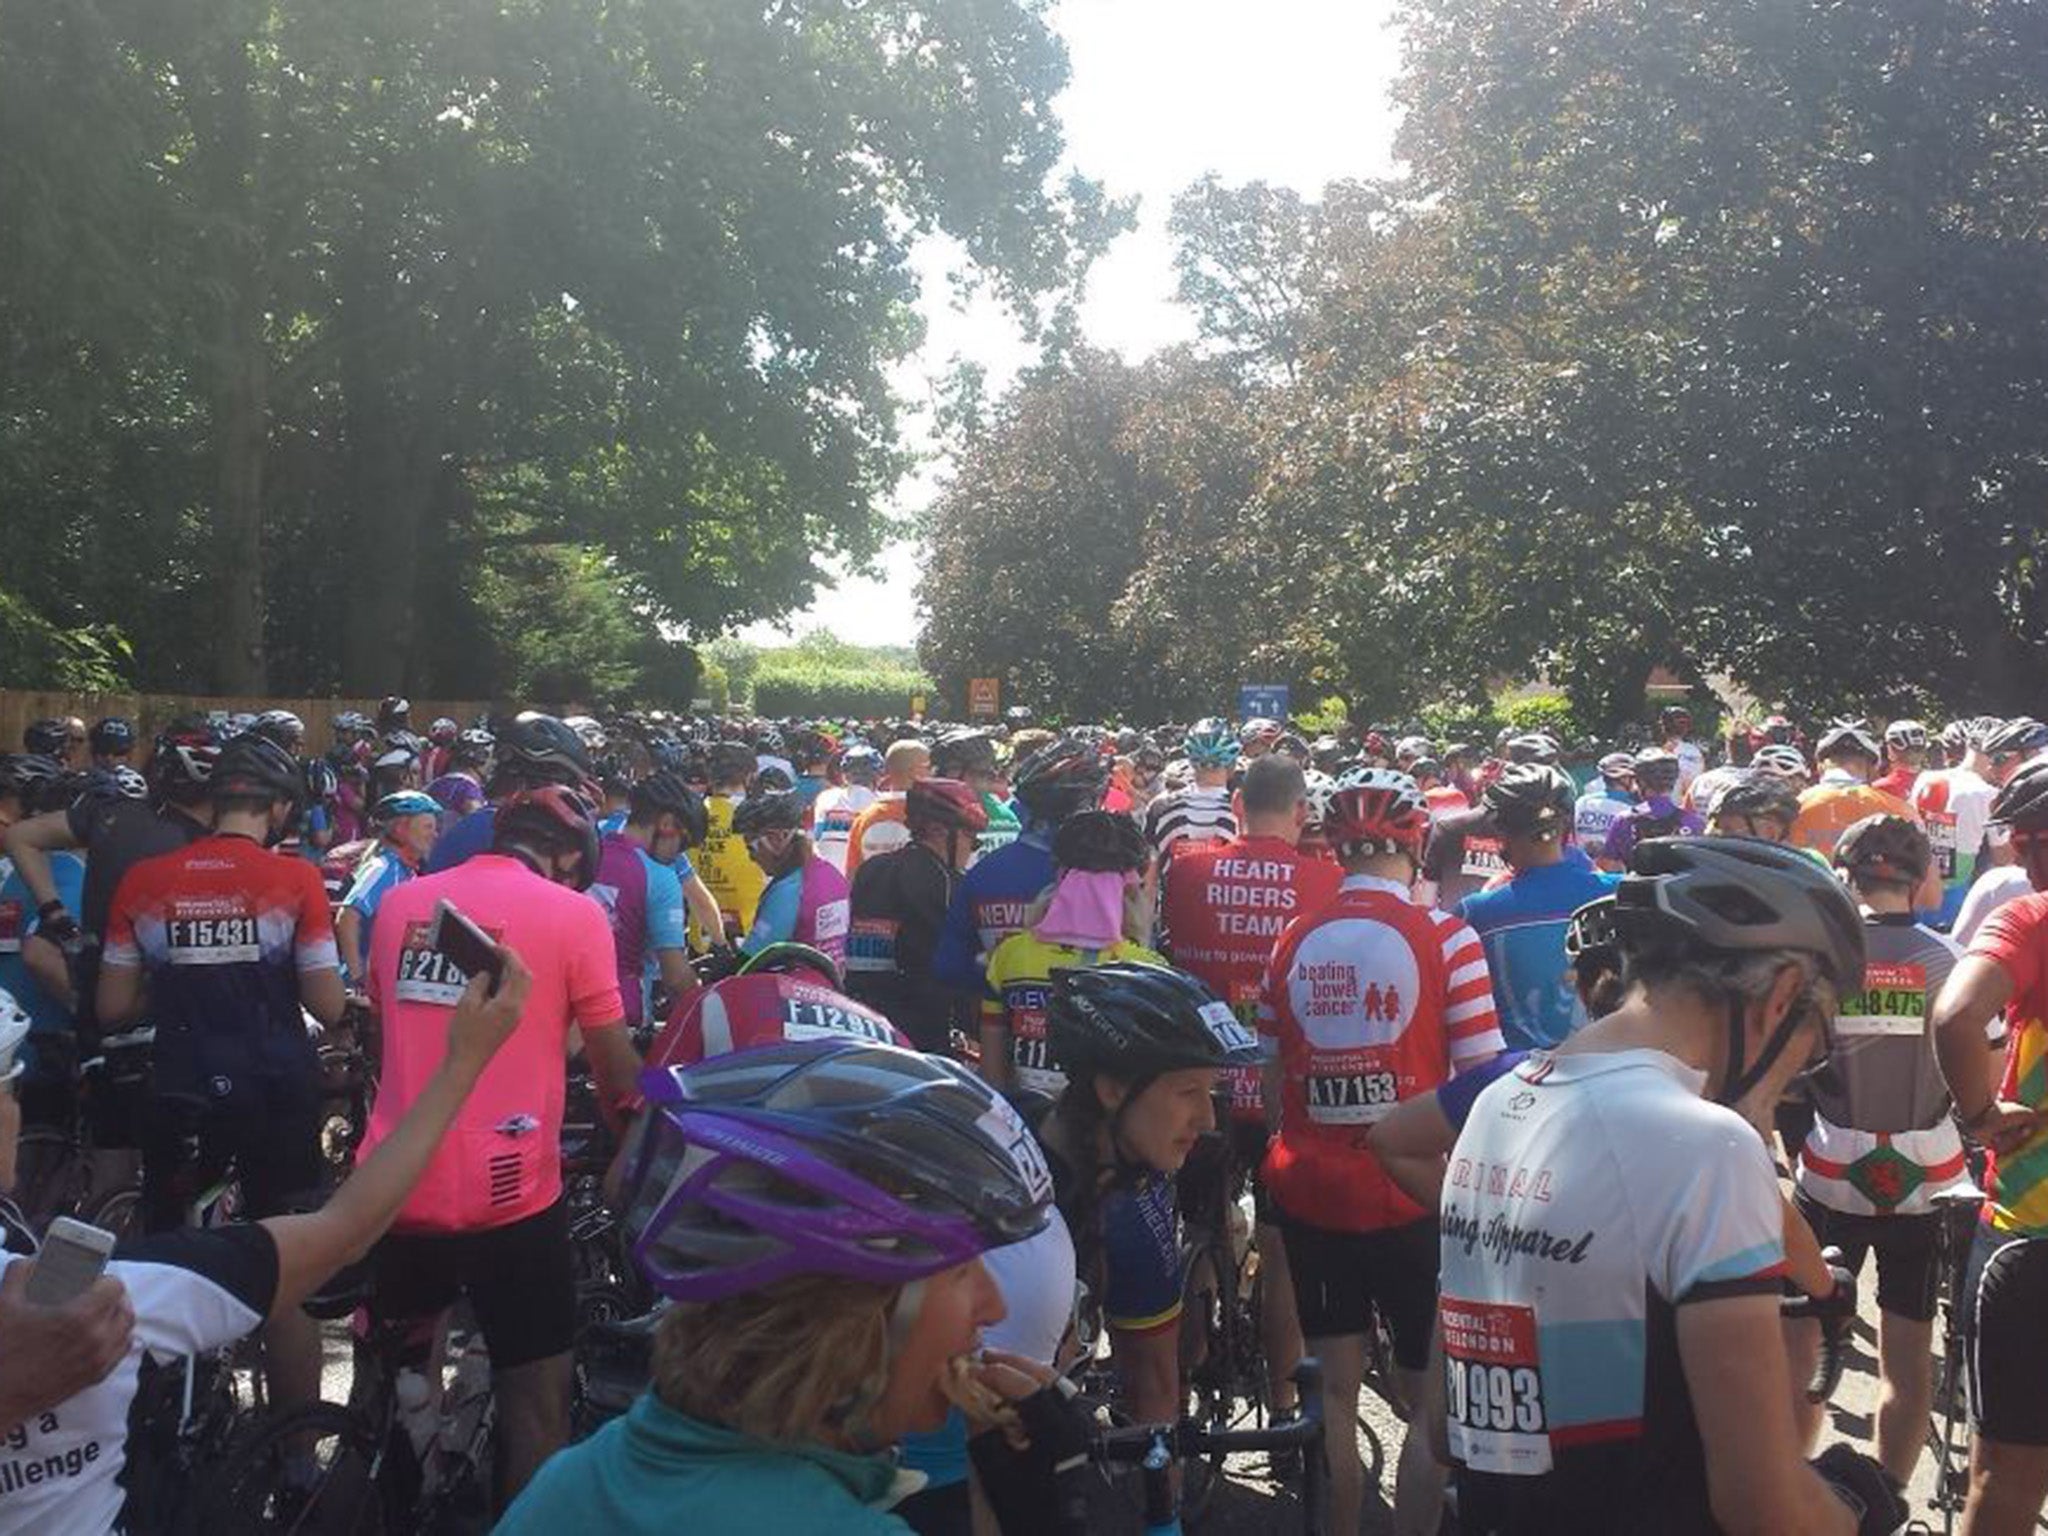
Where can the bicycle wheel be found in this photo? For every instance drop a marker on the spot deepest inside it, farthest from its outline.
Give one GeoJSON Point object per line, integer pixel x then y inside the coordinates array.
{"type": "Point", "coordinates": [119, 1211]}
{"type": "Point", "coordinates": [1209, 1351]}
{"type": "Point", "coordinates": [49, 1175]}
{"type": "Point", "coordinates": [309, 1470]}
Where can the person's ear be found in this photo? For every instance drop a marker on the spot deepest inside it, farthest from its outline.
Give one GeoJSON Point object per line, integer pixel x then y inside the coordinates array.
{"type": "Point", "coordinates": [1786, 989]}
{"type": "Point", "coordinates": [1110, 1093]}
{"type": "Point", "coordinates": [1300, 814]}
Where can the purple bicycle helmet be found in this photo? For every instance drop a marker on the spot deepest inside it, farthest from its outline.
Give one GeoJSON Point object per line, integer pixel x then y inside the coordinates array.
{"type": "Point", "coordinates": [825, 1157]}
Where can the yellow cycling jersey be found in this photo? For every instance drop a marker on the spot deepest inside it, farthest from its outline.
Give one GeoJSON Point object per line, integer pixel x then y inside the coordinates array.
{"type": "Point", "coordinates": [730, 873]}
{"type": "Point", "coordinates": [1020, 985]}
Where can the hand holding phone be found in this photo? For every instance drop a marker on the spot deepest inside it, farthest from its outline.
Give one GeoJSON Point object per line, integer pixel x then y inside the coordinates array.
{"type": "Point", "coordinates": [73, 1255]}
{"type": "Point", "coordinates": [465, 946]}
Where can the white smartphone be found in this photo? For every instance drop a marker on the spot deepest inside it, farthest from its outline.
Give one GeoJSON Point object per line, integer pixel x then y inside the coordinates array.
{"type": "Point", "coordinates": [73, 1255]}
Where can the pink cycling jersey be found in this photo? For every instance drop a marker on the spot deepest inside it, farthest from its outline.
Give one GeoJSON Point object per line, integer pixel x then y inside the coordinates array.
{"type": "Point", "coordinates": [502, 1159]}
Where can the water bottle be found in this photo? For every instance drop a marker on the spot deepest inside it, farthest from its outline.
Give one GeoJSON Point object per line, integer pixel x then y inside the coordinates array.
{"type": "Point", "coordinates": [416, 1412]}
{"type": "Point", "coordinates": [1162, 1509]}
{"type": "Point", "coordinates": [469, 1394]}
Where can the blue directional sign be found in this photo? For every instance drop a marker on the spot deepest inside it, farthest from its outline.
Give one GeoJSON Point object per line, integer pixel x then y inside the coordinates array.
{"type": "Point", "coordinates": [1267, 701]}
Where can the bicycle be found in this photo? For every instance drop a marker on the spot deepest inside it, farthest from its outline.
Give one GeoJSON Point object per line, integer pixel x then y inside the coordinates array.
{"type": "Point", "coordinates": [385, 1463]}
{"type": "Point", "coordinates": [1948, 1426]}
{"type": "Point", "coordinates": [1155, 1448]}
{"type": "Point", "coordinates": [59, 1167]}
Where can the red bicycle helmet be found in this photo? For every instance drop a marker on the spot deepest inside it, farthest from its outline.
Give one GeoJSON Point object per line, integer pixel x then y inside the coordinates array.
{"type": "Point", "coordinates": [558, 817]}
{"type": "Point", "coordinates": [1379, 811]}
{"type": "Point", "coordinates": [946, 803]}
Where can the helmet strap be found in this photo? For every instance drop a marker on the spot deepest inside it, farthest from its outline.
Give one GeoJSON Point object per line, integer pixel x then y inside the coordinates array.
{"type": "Point", "coordinates": [1737, 1081]}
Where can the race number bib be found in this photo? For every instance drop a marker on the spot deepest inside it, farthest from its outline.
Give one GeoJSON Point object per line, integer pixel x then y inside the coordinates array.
{"type": "Point", "coordinates": [1493, 1388]}
{"type": "Point", "coordinates": [1247, 1096]}
{"type": "Point", "coordinates": [1225, 1029]}
{"type": "Point", "coordinates": [1351, 1098]}
{"type": "Point", "coordinates": [871, 946]}
{"type": "Point", "coordinates": [425, 975]}
{"type": "Point", "coordinates": [1030, 1050]}
{"type": "Point", "coordinates": [802, 1020]}
{"type": "Point", "coordinates": [1893, 1002]}
{"type": "Point", "coordinates": [228, 939]}
{"type": "Point", "coordinates": [10, 927]}
{"type": "Point", "coordinates": [1483, 859]}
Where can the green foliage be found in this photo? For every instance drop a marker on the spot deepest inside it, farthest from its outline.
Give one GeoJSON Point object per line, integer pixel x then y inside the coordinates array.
{"type": "Point", "coordinates": [1550, 713]}
{"type": "Point", "coordinates": [76, 658]}
{"type": "Point", "coordinates": [334, 305]}
{"type": "Point", "coordinates": [812, 689]}
{"type": "Point", "coordinates": [712, 685]}
{"type": "Point", "coordinates": [1457, 721]}
{"type": "Point", "coordinates": [1330, 716]}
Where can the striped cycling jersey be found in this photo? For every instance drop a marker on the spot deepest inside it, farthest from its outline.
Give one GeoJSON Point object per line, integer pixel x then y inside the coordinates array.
{"type": "Point", "coordinates": [1193, 814]}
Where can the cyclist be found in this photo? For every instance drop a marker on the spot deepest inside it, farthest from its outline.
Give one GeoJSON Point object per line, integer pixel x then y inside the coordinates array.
{"type": "Point", "coordinates": [1093, 914]}
{"type": "Point", "coordinates": [2005, 972]}
{"type": "Point", "coordinates": [1225, 905]}
{"type": "Point", "coordinates": [1755, 803]}
{"type": "Point", "coordinates": [1051, 784]}
{"type": "Point", "coordinates": [409, 821]}
{"type": "Point", "coordinates": [1521, 925]}
{"type": "Point", "coordinates": [1906, 749]}
{"type": "Point", "coordinates": [1594, 812]}
{"type": "Point", "coordinates": [2011, 744]}
{"type": "Point", "coordinates": [1883, 1145]}
{"type": "Point", "coordinates": [816, 1212]}
{"type": "Point", "coordinates": [1142, 1047]}
{"type": "Point", "coordinates": [1657, 815]}
{"type": "Point", "coordinates": [880, 826]}
{"type": "Point", "coordinates": [650, 891]}
{"type": "Point", "coordinates": [805, 900]}
{"type": "Point", "coordinates": [970, 757]}
{"type": "Point", "coordinates": [1443, 796]}
{"type": "Point", "coordinates": [62, 739]}
{"type": "Point", "coordinates": [1674, 734]}
{"type": "Point", "coordinates": [834, 811]}
{"type": "Point", "coordinates": [898, 905]}
{"type": "Point", "coordinates": [29, 786]}
{"type": "Point", "coordinates": [1843, 795]}
{"type": "Point", "coordinates": [1200, 813]}
{"type": "Point", "coordinates": [232, 940]}
{"type": "Point", "coordinates": [112, 741]}
{"type": "Point", "coordinates": [1257, 737]}
{"type": "Point", "coordinates": [1953, 804]}
{"type": "Point", "coordinates": [459, 786]}
{"type": "Point", "coordinates": [1783, 761]}
{"type": "Point", "coordinates": [193, 1291]}
{"type": "Point", "coordinates": [730, 873]}
{"type": "Point", "coordinates": [532, 751]}
{"type": "Point", "coordinates": [116, 833]}
{"type": "Point", "coordinates": [441, 739]}
{"type": "Point", "coordinates": [1613, 1234]}
{"type": "Point", "coordinates": [487, 1220]}
{"type": "Point", "coordinates": [1371, 999]}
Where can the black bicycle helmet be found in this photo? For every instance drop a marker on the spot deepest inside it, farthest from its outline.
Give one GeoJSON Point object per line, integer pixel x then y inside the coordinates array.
{"type": "Point", "coordinates": [322, 782]}
{"type": "Point", "coordinates": [1059, 779]}
{"type": "Point", "coordinates": [2023, 803]}
{"type": "Point", "coordinates": [472, 749]}
{"type": "Point", "coordinates": [255, 767]}
{"type": "Point", "coordinates": [185, 752]}
{"type": "Point", "coordinates": [779, 811]}
{"type": "Point", "coordinates": [1530, 797]}
{"type": "Point", "coordinates": [393, 713]}
{"type": "Point", "coordinates": [961, 751]}
{"type": "Point", "coordinates": [1132, 1022]}
{"type": "Point", "coordinates": [112, 736]}
{"type": "Point", "coordinates": [550, 818]}
{"type": "Point", "coordinates": [46, 738]}
{"type": "Point", "coordinates": [665, 794]}
{"type": "Point", "coordinates": [539, 749]}
{"type": "Point", "coordinates": [1532, 747]}
{"type": "Point", "coordinates": [1591, 933]}
{"type": "Point", "coordinates": [1100, 841]}
{"type": "Point", "coordinates": [24, 774]}
{"type": "Point", "coordinates": [1730, 896]}
{"type": "Point", "coordinates": [1885, 847]}
{"type": "Point", "coordinates": [1757, 793]}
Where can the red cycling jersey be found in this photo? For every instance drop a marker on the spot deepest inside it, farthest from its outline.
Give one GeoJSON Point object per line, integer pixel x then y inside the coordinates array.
{"type": "Point", "coordinates": [1225, 906]}
{"type": "Point", "coordinates": [745, 1012]}
{"type": "Point", "coordinates": [1372, 1000]}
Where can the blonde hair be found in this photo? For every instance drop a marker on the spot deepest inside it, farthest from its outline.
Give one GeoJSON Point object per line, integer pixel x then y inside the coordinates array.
{"type": "Point", "coordinates": [805, 1359]}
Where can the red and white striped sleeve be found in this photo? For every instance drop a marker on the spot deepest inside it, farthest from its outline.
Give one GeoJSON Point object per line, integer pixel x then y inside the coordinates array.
{"type": "Point", "coordinates": [1471, 1026]}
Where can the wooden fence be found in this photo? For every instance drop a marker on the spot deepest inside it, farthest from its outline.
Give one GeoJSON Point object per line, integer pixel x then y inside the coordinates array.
{"type": "Point", "coordinates": [149, 711]}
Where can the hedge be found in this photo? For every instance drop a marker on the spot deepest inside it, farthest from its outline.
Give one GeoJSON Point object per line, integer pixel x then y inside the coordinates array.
{"type": "Point", "coordinates": [814, 692]}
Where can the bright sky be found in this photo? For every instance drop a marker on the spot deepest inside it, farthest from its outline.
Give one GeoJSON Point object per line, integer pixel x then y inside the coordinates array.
{"type": "Point", "coordinates": [1293, 92]}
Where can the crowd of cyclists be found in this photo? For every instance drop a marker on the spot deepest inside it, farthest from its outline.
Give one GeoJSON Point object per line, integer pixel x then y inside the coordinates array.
{"type": "Point", "coordinates": [916, 1044]}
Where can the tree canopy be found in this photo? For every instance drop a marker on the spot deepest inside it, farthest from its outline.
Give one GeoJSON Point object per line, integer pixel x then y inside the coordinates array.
{"type": "Point", "coordinates": [1709, 338]}
{"type": "Point", "coordinates": [451, 348]}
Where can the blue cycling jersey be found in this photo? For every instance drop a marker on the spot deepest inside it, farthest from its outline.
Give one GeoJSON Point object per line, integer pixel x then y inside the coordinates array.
{"type": "Point", "coordinates": [988, 906]}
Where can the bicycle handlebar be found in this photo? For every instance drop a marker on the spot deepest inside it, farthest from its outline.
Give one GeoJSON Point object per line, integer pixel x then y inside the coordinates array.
{"type": "Point", "coordinates": [1132, 1442]}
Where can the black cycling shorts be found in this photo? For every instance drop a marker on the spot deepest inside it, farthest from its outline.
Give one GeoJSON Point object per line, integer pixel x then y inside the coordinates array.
{"type": "Point", "coordinates": [1342, 1278]}
{"type": "Point", "coordinates": [1908, 1253]}
{"type": "Point", "coordinates": [2005, 1326]}
{"type": "Point", "coordinates": [520, 1280]}
{"type": "Point", "coordinates": [270, 1141]}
